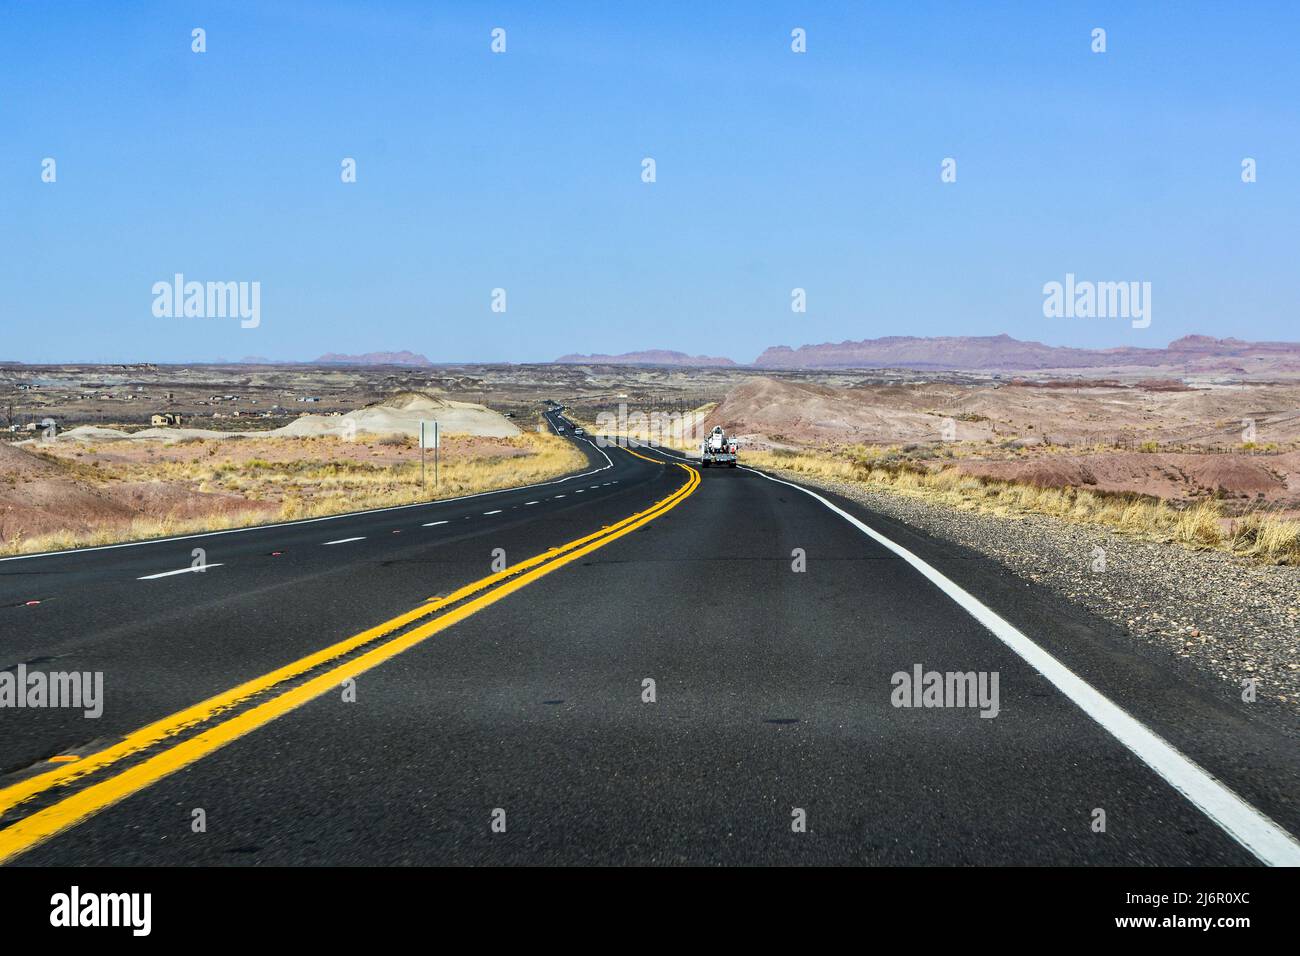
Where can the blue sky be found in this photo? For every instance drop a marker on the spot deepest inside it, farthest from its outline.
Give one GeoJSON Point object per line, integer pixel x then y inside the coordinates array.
{"type": "Point", "coordinates": [522, 171]}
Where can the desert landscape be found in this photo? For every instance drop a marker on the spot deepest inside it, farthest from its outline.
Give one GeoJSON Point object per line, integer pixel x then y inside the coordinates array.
{"type": "Point", "coordinates": [95, 484]}
{"type": "Point", "coordinates": [742, 435]}
{"type": "Point", "coordinates": [1234, 445]}
{"type": "Point", "coordinates": [1177, 457]}
{"type": "Point", "coordinates": [1140, 437]}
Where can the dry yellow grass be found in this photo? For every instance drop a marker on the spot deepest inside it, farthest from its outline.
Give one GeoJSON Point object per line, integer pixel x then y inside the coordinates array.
{"type": "Point", "coordinates": [326, 488]}
{"type": "Point", "coordinates": [315, 487]}
{"type": "Point", "coordinates": [1258, 536]}
{"type": "Point", "coordinates": [138, 530]}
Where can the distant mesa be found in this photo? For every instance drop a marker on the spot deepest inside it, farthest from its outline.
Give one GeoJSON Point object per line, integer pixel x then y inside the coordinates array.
{"type": "Point", "coordinates": [648, 357]}
{"type": "Point", "coordinates": [373, 358]}
{"type": "Point", "coordinates": [1200, 353]}
{"type": "Point", "coordinates": [1004, 352]}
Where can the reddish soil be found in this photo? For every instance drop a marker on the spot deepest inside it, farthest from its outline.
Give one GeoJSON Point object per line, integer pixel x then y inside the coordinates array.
{"type": "Point", "coordinates": [1272, 478]}
{"type": "Point", "coordinates": [38, 497]}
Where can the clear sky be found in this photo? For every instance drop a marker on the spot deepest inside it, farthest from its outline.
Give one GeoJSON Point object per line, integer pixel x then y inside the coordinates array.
{"type": "Point", "coordinates": [522, 171]}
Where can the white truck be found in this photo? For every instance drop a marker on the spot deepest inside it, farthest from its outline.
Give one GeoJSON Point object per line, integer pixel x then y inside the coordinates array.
{"type": "Point", "coordinates": [718, 449]}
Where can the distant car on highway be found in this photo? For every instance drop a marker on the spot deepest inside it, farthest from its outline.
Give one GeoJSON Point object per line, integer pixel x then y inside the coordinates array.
{"type": "Point", "coordinates": [579, 431]}
{"type": "Point", "coordinates": [718, 449]}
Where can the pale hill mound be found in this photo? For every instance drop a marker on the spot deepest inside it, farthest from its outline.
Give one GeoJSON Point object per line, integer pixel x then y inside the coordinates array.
{"type": "Point", "coordinates": [400, 415]}
{"type": "Point", "coordinates": [93, 433]}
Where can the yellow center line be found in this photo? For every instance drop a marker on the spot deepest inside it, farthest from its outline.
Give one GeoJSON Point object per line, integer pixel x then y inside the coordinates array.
{"type": "Point", "coordinates": [40, 826]}
{"type": "Point", "coordinates": [653, 461]}
{"type": "Point", "coordinates": [201, 712]}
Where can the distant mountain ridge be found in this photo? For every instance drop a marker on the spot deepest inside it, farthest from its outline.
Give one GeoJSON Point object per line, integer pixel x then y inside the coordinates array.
{"type": "Point", "coordinates": [1004, 352]}
{"type": "Point", "coordinates": [1201, 353]}
{"type": "Point", "coordinates": [648, 357]}
{"type": "Point", "coordinates": [373, 358]}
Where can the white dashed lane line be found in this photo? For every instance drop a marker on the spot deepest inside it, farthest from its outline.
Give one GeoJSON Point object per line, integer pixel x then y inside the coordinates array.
{"type": "Point", "coordinates": [167, 574]}
{"type": "Point", "coordinates": [431, 524]}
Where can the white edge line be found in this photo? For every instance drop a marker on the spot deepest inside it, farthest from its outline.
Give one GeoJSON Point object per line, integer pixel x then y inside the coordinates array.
{"type": "Point", "coordinates": [167, 574]}
{"type": "Point", "coordinates": [1245, 824]}
{"type": "Point", "coordinates": [287, 524]}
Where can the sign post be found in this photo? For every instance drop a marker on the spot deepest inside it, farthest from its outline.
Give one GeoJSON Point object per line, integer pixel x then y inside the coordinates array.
{"type": "Point", "coordinates": [429, 439]}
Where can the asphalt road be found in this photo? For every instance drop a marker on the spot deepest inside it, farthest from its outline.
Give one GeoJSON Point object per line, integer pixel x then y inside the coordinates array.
{"type": "Point", "coordinates": [519, 728]}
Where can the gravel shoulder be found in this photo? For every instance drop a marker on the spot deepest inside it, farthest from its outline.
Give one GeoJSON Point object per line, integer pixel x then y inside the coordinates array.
{"type": "Point", "coordinates": [1225, 615]}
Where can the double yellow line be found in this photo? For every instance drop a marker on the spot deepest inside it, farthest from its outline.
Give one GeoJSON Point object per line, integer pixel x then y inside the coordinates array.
{"type": "Point", "coordinates": [39, 826]}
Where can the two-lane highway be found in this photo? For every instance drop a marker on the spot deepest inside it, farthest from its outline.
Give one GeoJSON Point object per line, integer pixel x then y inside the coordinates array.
{"type": "Point", "coordinates": [671, 667]}
{"type": "Point", "coordinates": [267, 595]}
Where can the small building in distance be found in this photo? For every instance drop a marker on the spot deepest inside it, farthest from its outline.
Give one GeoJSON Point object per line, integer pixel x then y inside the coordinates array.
{"type": "Point", "coordinates": [163, 419]}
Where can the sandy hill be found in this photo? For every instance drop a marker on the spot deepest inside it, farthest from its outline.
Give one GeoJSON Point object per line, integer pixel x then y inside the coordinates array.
{"type": "Point", "coordinates": [402, 415]}
{"type": "Point", "coordinates": [399, 415]}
